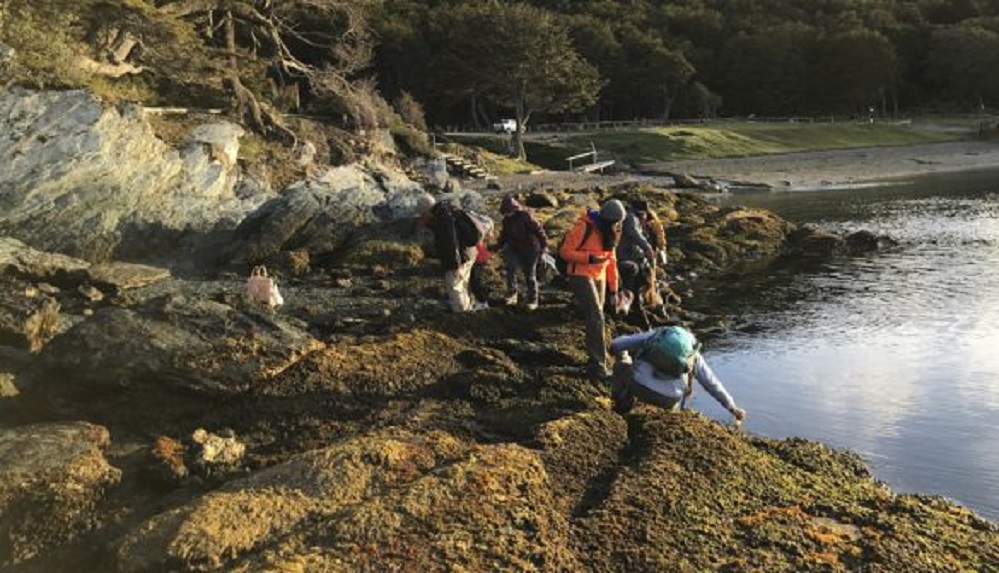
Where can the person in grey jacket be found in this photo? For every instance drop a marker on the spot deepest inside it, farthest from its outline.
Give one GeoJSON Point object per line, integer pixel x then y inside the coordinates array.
{"type": "Point", "coordinates": [636, 259]}
{"type": "Point", "coordinates": [634, 245]}
{"type": "Point", "coordinates": [639, 379]}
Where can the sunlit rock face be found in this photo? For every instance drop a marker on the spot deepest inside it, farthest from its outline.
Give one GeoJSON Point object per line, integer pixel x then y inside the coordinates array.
{"type": "Point", "coordinates": [88, 179]}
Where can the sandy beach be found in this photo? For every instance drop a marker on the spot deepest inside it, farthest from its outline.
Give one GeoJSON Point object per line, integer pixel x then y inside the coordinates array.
{"type": "Point", "coordinates": [790, 171]}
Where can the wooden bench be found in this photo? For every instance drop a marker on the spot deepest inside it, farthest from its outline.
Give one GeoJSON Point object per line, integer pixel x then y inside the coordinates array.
{"type": "Point", "coordinates": [593, 165]}
{"type": "Point", "coordinates": [596, 166]}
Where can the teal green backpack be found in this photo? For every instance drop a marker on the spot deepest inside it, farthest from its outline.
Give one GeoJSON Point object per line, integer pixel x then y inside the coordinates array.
{"type": "Point", "coordinates": [669, 350]}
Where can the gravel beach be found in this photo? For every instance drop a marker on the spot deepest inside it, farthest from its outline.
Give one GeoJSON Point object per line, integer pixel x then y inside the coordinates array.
{"type": "Point", "coordinates": [790, 171]}
{"type": "Point", "coordinates": [844, 167]}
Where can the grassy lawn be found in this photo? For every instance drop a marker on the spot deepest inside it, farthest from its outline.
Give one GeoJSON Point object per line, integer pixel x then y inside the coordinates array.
{"type": "Point", "coordinates": [722, 139]}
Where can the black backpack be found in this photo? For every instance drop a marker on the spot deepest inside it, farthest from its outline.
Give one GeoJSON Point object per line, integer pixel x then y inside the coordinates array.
{"type": "Point", "coordinates": [471, 228]}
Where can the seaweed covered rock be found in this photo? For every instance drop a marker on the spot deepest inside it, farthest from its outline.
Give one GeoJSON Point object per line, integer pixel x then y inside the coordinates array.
{"type": "Point", "coordinates": [695, 496]}
{"type": "Point", "coordinates": [381, 502]}
{"type": "Point", "coordinates": [375, 366]}
{"type": "Point", "coordinates": [52, 477]}
{"type": "Point", "coordinates": [28, 318]}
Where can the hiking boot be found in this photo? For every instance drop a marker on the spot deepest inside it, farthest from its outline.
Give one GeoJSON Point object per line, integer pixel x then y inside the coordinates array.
{"type": "Point", "coordinates": [480, 306]}
{"type": "Point", "coordinates": [622, 398]}
{"type": "Point", "coordinates": [510, 300]}
{"type": "Point", "coordinates": [598, 373]}
{"type": "Point", "coordinates": [532, 305]}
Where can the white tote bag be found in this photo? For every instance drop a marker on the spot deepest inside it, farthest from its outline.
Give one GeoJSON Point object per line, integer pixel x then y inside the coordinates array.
{"type": "Point", "coordinates": [261, 289]}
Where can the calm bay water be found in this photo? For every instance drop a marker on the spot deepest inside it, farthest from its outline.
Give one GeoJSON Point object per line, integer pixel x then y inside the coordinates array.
{"type": "Point", "coordinates": [894, 355]}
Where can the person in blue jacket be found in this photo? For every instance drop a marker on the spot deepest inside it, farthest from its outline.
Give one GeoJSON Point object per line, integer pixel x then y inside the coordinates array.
{"type": "Point", "coordinates": [645, 378]}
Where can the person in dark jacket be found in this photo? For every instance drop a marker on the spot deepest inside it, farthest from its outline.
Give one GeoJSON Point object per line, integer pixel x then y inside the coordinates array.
{"type": "Point", "coordinates": [456, 261]}
{"type": "Point", "coordinates": [523, 240]}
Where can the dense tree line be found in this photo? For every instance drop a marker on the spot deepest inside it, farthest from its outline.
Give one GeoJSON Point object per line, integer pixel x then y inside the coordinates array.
{"type": "Point", "coordinates": [610, 59]}
{"type": "Point", "coordinates": [471, 62]}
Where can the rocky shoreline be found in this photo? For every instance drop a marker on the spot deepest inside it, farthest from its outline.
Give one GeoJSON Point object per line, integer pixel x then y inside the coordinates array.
{"type": "Point", "coordinates": [363, 427]}
{"type": "Point", "coordinates": [152, 419]}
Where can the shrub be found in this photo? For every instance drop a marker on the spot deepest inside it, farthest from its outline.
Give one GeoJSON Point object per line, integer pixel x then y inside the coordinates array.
{"type": "Point", "coordinates": [44, 45]}
{"type": "Point", "coordinates": [410, 111]}
{"type": "Point", "coordinates": [411, 141]}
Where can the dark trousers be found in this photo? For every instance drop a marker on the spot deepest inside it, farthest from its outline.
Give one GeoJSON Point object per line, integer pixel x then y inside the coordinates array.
{"type": "Point", "coordinates": [477, 283]}
{"type": "Point", "coordinates": [589, 294]}
{"type": "Point", "coordinates": [637, 278]}
{"type": "Point", "coordinates": [625, 390]}
{"type": "Point", "coordinates": [526, 265]}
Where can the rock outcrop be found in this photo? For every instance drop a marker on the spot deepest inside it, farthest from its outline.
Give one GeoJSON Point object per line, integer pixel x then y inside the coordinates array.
{"type": "Point", "coordinates": [321, 215]}
{"type": "Point", "coordinates": [18, 260]}
{"type": "Point", "coordinates": [91, 180]}
{"type": "Point", "coordinates": [84, 178]}
{"type": "Point", "coordinates": [362, 427]}
{"type": "Point", "coordinates": [176, 344]}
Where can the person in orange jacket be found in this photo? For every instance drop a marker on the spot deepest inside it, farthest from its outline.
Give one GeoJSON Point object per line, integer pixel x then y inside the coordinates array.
{"type": "Point", "coordinates": [591, 265]}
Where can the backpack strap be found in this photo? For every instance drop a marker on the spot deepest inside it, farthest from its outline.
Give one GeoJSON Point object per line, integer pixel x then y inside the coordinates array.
{"type": "Point", "coordinates": [586, 235]}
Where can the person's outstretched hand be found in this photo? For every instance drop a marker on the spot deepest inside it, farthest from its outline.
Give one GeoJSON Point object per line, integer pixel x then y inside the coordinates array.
{"type": "Point", "coordinates": [739, 413]}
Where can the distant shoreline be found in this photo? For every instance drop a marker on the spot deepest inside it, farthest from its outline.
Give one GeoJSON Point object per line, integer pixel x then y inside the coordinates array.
{"type": "Point", "coordinates": [831, 168]}
{"type": "Point", "coordinates": [841, 167]}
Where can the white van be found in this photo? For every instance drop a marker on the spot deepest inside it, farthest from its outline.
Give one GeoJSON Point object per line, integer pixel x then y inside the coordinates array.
{"type": "Point", "coordinates": [505, 126]}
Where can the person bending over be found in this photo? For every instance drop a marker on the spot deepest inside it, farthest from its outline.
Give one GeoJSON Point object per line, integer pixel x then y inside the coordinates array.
{"type": "Point", "coordinates": [666, 361]}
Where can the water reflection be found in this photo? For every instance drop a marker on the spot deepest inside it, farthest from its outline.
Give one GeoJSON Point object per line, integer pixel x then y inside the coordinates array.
{"type": "Point", "coordinates": [891, 355]}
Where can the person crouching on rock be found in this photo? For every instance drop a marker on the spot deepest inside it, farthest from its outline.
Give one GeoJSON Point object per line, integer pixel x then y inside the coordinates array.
{"type": "Point", "coordinates": [588, 250]}
{"type": "Point", "coordinates": [523, 241]}
{"type": "Point", "coordinates": [666, 361]}
{"type": "Point", "coordinates": [456, 261]}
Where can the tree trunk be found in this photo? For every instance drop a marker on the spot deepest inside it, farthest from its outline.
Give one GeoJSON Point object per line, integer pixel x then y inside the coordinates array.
{"type": "Point", "coordinates": [667, 102]}
{"type": "Point", "coordinates": [245, 103]}
{"type": "Point", "coordinates": [518, 134]}
{"type": "Point", "coordinates": [483, 118]}
{"type": "Point", "coordinates": [248, 109]}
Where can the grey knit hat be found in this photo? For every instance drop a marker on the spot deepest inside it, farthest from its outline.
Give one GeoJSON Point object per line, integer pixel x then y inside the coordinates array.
{"type": "Point", "coordinates": [612, 210]}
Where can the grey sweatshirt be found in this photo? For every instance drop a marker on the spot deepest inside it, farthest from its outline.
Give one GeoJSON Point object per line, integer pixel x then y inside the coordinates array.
{"type": "Point", "coordinates": [670, 386]}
